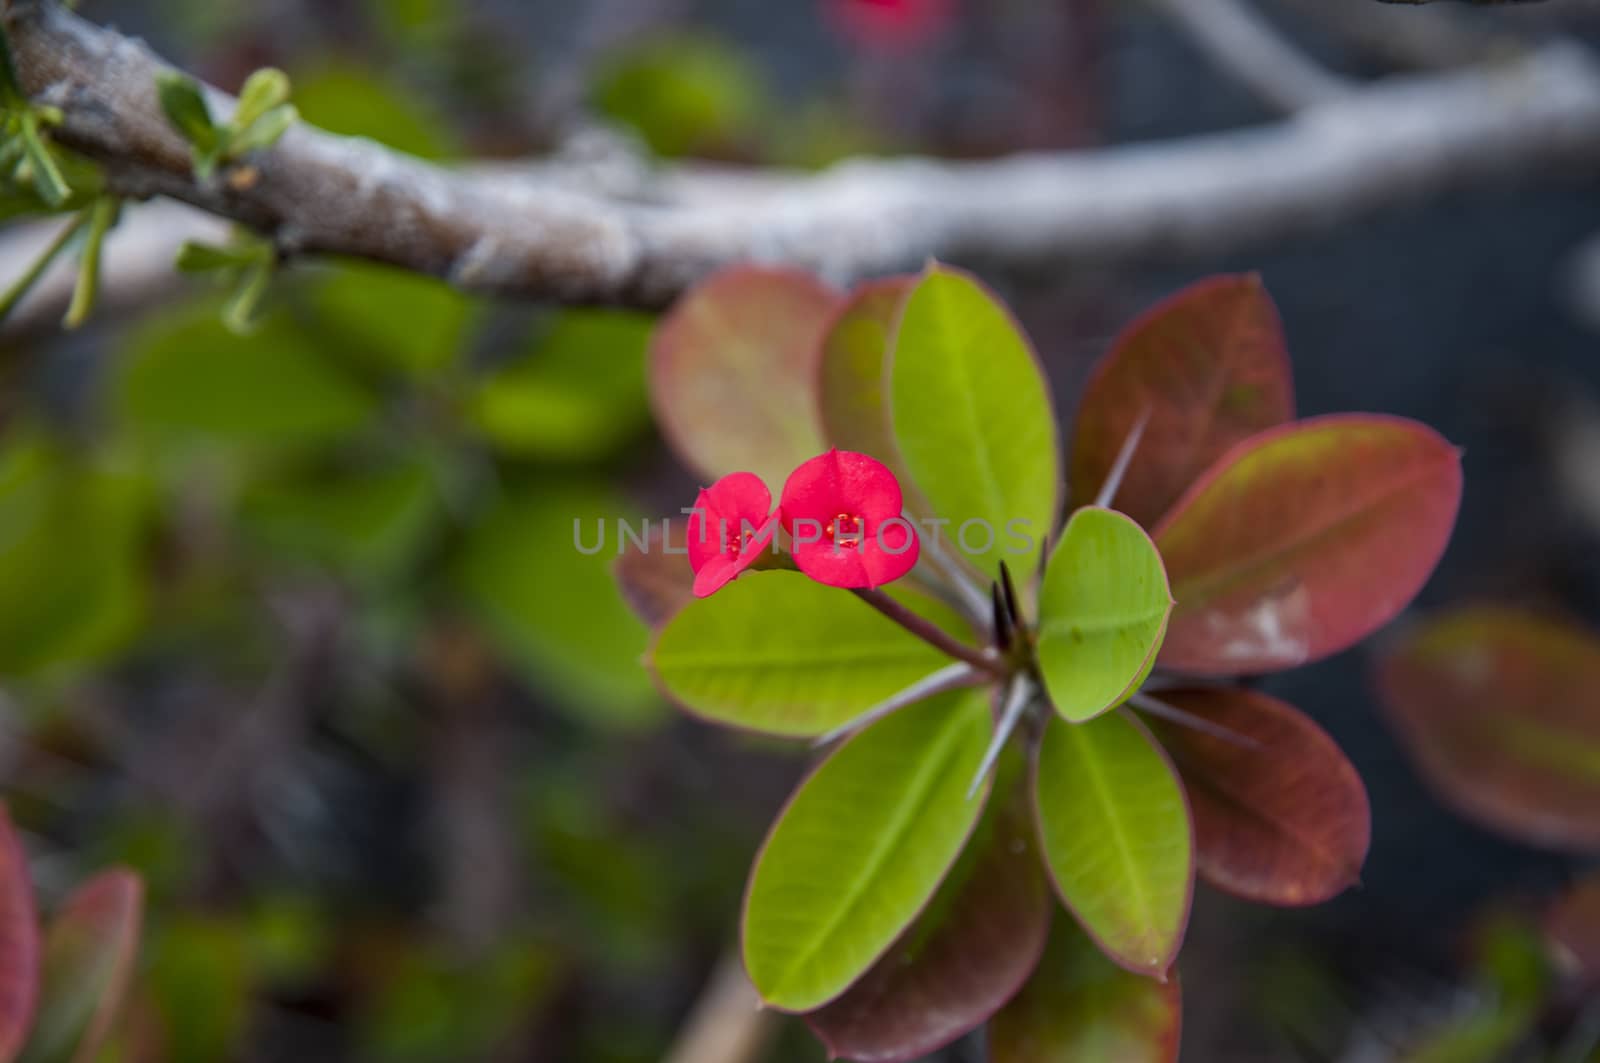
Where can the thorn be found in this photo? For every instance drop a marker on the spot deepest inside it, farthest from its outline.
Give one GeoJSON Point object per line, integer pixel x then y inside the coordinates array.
{"type": "Point", "coordinates": [958, 674]}
{"type": "Point", "coordinates": [1010, 589]}
{"type": "Point", "coordinates": [1119, 468]}
{"type": "Point", "coordinates": [1016, 700]}
{"type": "Point", "coordinates": [1002, 622]}
{"type": "Point", "coordinates": [1155, 707]}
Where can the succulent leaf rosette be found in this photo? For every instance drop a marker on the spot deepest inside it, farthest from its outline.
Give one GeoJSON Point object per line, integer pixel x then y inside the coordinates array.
{"type": "Point", "coordinates": [1017, 705]}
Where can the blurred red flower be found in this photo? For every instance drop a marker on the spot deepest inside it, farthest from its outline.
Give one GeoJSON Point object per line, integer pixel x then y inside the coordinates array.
{"type": "Point", "coordinates": [889, 25]}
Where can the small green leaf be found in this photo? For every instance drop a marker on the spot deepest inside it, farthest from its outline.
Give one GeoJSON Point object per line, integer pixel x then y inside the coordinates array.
{"type": "Point", "coordinates": [972, 416]}
{"type": "Point", "coordinates": [779, 653]}
{"type": "Point", "coordinates": [1103, 609]}
{"type": "Point", "coordinates": [90, 949]}
{"type": "Point", "coordinates": [24, 284]}
{"type": "Point", "coordinates": [239, 309]}
{"type": "Point", "coordinates": [861, 848]}
{"type": "Point", "coordinates": [1117, 837]}
{"type": "Point", "coordinates": [264, 131]}
{"type": "Point", "coordinates": [202, 258]}
{"type": "Point", "coordinates": [1080, 1008]}
{"type": "Point", "coordinates": [100, 216]}
{"type": "Point", "coordinates": [48, 180]}
{"type": "Point", "coordinates": [263, 90]}
{"type": "Point", "coordinates": [184, 104]}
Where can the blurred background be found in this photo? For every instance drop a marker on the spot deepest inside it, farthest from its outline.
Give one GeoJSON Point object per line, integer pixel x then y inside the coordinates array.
{"type": "Point", "coordinates": [282, 628]}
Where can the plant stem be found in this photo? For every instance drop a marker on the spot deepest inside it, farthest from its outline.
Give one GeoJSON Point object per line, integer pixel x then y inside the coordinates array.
{"type": "Point", "coordinates": [930, 632]}
{"type": "Point", "coordinates": [26, 282]}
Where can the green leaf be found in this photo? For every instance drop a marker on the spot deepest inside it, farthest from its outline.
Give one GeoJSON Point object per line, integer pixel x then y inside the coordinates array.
{"type": "Point", "coordinates": [184, 104]}
{"type": "Point", "coordinates": [70, 568]}
{"type": "Point", "coordinates": [19, 943]}
{"type": "Point", "coordinates": [779, 653]}
{"type": "Point", "coordinates": [860, 849]}
{"type": "Point", "coordinates": [1103, 609]}
{"type": "Point", "coordinates": [554, 610]}
{"type": "Point", "coordinates": [972, 417]}
{"type": "Point", "coordinates": [965, 956]}
{"type": "Point", "coordinates": [1117, 837]}
{"type": "Point", "coordinates": [263, 90]}
{"type": "Point", "coordinates": [683, 93]}
{"type": "Point", "coordinates": [552, 403]}
{"type": "Point", "coordinates": [366, 524]}
{"type": "Point", "coordinates": [201, 978]}
{"type": "Point", "coordinates": [362, 103]}
{"type": "Point", "coordinates": [1080, 1008]}
{"type": "Point", "coordinates": [733, 372]}
{"type": "Point", "coordinates": [90, 949]}
{"type": "Point", "coordinates": [187, 376]}
{"type": "Point", "coordinates": [392, 319]}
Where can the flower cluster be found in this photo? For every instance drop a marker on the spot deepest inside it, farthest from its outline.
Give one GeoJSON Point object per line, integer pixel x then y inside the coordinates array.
{"type": "Point", "coordinates": [841, 512]}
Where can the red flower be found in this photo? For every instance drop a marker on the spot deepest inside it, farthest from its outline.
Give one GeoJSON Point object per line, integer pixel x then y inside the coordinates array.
{"type": "Point", "coordinates": [890, 25]}
{"type": "Point", "coordinates": [729, 527]}
{"type": "Point", "coordinates": [842, 510]}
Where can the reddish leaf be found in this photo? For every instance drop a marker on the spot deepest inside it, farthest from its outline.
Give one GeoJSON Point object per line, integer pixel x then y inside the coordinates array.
{"type": "Point", "coordinates": [90, 948]}
{"type": "Point", "coordinates": [733, 372]}
{"type": "Point", "coordinates": [961, 961]}
{"type": "Point", "coordinates": [655, 578]}
{"type": "Point", "coordinates": [1303, 540]}
{"type": "Point", "coordinates": [852, 377]}
{"type": "Point", "coordinates": [1208, 366]}
{"type": "Point", "coordinates": [19, 943]}
{"type": "Point", "coordinates": [1573, 927]}
{"type": "Point", "coordinates": [1284, 821]}
{"type": "Point", "coordinates": [1079, 1007]}
{"type": "Point", "coordinates": [1501, 710]}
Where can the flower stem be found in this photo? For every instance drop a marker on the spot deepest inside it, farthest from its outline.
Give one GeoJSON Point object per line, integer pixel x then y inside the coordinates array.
{"type": "Point", "coordinates": [931, 633]}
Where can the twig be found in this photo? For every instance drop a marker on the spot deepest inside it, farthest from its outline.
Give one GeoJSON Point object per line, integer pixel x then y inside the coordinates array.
{"type": "Point", "coordinates": [728, 1023]}
{"type": "Point", "coordinates": [931, 633]}
{"type": "Point", "coordinates": [1247, 48]}
{"type": "Point", "coordinates": [511, 234]}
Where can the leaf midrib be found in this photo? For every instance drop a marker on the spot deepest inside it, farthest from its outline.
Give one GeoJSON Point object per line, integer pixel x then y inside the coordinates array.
{"type": "Point", "coordinates": [1096, 776]}
{"type": "Point", "coordinates": [948, 327]}
{"type": "Point", "coordinates": [744, 661]}
{"type": "Point", "coordinates": [1197, 591]}
{"type": "Point", "coordinates": [891, 839]}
